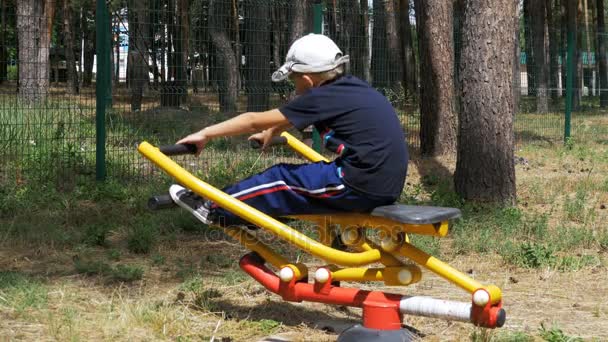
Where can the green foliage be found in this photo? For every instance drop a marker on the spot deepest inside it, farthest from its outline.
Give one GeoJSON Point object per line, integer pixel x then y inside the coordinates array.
{"type": "Point", "coordinates": [575, 207]}
{"type": "Point", "coordinates": [127, 273]}
{"type": "Point", "coordinates": [95, 234]}
{"type": "Point", "coordinates": [122, 273]}
{"type": "Point", "coordinates": [142, 236]}
{"type": "Point", "coordinates": [158, 259]}
{"type": "Point", "coordinates": [533, 255]}
{"type": "Point", "coordinates": [556, 335]}
{"type": "Point", "coordinates": [21, 292]}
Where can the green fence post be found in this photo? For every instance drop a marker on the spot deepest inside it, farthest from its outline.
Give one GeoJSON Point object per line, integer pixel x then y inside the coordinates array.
{"type": "Point", "coordinates": [569, 85]}
{"type": "Point", "coordinates": [102, 86]}
{"type": "Point", "coordinates": [317, 28]}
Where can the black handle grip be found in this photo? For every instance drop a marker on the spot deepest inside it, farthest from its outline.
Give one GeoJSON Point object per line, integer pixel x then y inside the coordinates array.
{"type": "Point", "coordinates": [256, 144]}
{"type": "Point", "coordinates": [160, 202]}
{"type": "Point", "coordinates": [179, 149]}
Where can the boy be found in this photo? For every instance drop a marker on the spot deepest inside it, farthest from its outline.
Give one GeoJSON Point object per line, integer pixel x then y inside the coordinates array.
{"type": "Point", "coordinates": [354, 120]}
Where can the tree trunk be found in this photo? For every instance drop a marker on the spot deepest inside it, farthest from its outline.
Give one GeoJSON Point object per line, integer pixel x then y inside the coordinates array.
{"type": "Point", "coordinates": [529, 47]}
{"type": "Point", "coordinates": [88, 37]}
{"type": "Point", "coordinates": [3, 42]}
{"type": "Point", "coordinates": [34, 27]}
{"type": "Point", "coordinates": [516, 61]}
{"type": "Point", "coordinates": [437, 116]}
{"type": "Point", "coordinates": [229, 72]}
{"type": "Point", "coordinates": [409, 58]}
{"type": "Point", "coordinates": [137, 60]}
{"type": "Point", "coordinates": [601, 28]}
{"type": "Point", "coordinates": [299, 19]}
{"type": "Point", "coordinates": [572, 18]}
{"type": "Point", "coordinates": [540, 67]}
{"type": "Point", "coordinates": [395, 55]}
{"type": "Point", "coordinates": [365, 53]}
{"type": "Point", "coordinates": [553, 24]}
{"type": "Point", "coordinates": [257, 53]}
{"type": "Point", "coordinates": [379, 67]}
{"type": "Point", "coordinates": [181, 43]}
{"type": "Point", "coordinates": [485, 168]}
{"type": "Point", "coordinates": [278, 32]}
{"type": "Point", "coordinates": [70, 58]}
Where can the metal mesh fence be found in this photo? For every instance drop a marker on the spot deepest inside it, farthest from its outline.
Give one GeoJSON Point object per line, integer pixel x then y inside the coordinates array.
{"type": "Point", "coordinates": [164, 68]}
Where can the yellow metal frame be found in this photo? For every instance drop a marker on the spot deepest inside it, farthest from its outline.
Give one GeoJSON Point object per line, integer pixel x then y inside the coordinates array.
{"type": "Point", "coordinates": [365, 252]}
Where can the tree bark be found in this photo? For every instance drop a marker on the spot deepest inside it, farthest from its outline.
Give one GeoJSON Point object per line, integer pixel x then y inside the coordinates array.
{"type": "Point", "coordinates": [395, 56]}
{"type": "Point", "coordinates": [485, 167]}
{"type": "Point", "coordinates": [137, 59]}
{"type": "Point", "coordinates": [409, 58]}
{"type": "Point", "coordinates": [601, 32]}
{"type": "Point", "coordinates": [435, 40]}
{"type": "Point", "coordinates": [553, 24]}
{"type": "Point", "coordinates": [365, 53]}
{"type": "Point", "coordinates": [540, 67]}
{"type": "Point", "coordinates": [34, 27]}
{"type": "Point", "coordinates": [68, 36]}
{"type": "Point", "coordinates": [88, 37]}
{"type": "Point", "coordinates": [572, 19]}
{"type": "Point", "coordinates": [228, 73]}
{"type": "Point", "coordinates": [3, 42]}
{"type": "Point", "coordinates": [299, 19]}
{"type": "Point", "coordinates": [379, 68]}
{"type": "Point", "coordinates": [257, 52]}
{"type": "Point", "coordinates": [529, 47]}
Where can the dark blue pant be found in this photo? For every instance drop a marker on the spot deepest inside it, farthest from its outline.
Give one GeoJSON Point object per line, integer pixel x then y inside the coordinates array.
{"type": "Point", "coordinates": [287, 189]}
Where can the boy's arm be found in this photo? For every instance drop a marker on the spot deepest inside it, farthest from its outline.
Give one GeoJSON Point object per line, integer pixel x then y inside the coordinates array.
{"type": "Point", "coordinates": [245, 123]}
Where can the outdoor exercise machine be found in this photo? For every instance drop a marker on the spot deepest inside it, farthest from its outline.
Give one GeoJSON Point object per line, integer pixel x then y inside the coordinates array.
{"type": "Point", "coordinates": [379, 238]}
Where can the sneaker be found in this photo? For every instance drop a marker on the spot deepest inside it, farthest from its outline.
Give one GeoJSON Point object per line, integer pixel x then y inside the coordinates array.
{"type": "Point", "coordinates": [191, 202]}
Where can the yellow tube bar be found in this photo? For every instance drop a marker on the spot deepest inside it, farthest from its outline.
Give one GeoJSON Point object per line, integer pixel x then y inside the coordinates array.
{"type": "Point", "coordinates": [254, 216]}
{"type": "Point", "coordinates": [447, 272]}
{"type": "Point", "coordinates": [252, 243]}
{"type": "Point", "coordinates": [303, 149]}
{"type": "Point", "coordinates": [390, 275]}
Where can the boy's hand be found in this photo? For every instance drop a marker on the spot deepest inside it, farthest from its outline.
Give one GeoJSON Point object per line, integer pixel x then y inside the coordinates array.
{"type": "Point", "coordinates": [262, 137]}
{"type": "Point", "coordinates": [199, 139]}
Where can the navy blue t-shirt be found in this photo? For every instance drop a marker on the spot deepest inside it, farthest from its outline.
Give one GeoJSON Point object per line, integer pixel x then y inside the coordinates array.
{"type": "Point", "coordinates": [359, 124]}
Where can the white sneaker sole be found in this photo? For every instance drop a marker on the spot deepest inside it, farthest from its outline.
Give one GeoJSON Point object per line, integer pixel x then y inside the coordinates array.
{"type": "Point", "coordinates": [175, 191]}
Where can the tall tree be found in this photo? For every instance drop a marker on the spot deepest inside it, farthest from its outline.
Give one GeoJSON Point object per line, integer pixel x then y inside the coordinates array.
{"type": "Point", "coordinates": [299, 14]}
{"type": "Point", "coordinates": [435, 43]}
{"type": "Point", "coordinates": [87, 20]}
{"type": "Point", "coordinates": [34, 28]}
{"type": "Point", "coordinates": [387, 58]}
{"type": "Point", "coordinates": [3, 41]}
{"type": "Point", "coordinates": [229, 72]}
{"type": "Point", "coordinates": [539, 42]}
{"type": "Point", "coordinates": [257, 55]}
{"type": "Point", "coordinates": [138, 56]}
{"type": "Point", "coordinates": [485, 168]}
{"type": "Point", "coordinates": [379, 68]}
{"type": "Point", "coordinates": [601, 28]}
{"type": "Point", "coordinates": [68, 39]}
{"type": "Point", "coordinates": [364, 34]}
{"type": "Point", "coordinates": [552, 25]}
{"type": "Point", "coordinates": [572, 14]}
{"type": "Point", "coordinates": [409, 59]}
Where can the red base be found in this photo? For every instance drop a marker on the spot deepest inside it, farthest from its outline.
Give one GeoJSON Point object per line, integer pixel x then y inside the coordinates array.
{"type": "Point", "coordinates": [380, 310]}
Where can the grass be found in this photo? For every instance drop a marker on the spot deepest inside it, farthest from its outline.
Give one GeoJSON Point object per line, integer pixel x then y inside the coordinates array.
{"type": "Point", "coordinates": [87, 260]}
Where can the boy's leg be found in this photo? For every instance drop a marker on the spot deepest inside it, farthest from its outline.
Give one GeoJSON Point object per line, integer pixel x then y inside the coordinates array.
{"type": "Point", "coordinates": [286, 189]}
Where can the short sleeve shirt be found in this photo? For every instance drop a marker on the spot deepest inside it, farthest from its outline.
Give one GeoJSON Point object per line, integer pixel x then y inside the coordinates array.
{"type": "Point", "coordinates": [361, 125]}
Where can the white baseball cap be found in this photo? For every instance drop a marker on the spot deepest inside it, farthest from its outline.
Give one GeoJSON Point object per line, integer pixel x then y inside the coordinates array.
{"type": "Point", "coordinates": [311, 54]}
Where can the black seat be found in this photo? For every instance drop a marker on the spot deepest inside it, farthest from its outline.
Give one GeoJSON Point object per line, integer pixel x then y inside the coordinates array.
{"type": "Point", "coordinates": [412, 214]}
